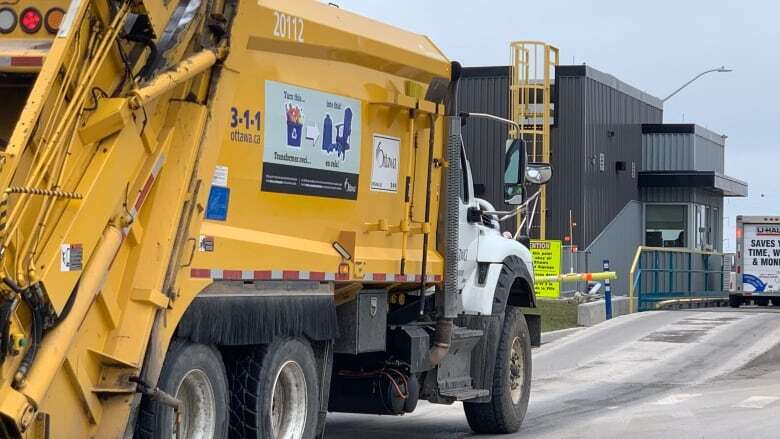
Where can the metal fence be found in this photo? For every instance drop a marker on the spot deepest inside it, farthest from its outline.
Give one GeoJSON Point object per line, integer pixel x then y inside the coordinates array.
{"type": "Point", "coordinates": [662, 274]}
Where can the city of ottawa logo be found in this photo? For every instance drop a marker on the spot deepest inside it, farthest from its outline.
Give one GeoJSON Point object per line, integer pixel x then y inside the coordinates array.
{"type": "Point", "coordinates": [385, 161]}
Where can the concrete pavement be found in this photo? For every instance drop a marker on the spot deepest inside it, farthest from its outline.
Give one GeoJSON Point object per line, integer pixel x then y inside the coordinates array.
{"type": "Point", "coordinates": [681, 374]}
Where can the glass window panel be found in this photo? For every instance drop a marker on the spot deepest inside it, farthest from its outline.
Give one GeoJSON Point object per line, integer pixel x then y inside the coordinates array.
{"type": "Point", "coordinates": [666, 225]}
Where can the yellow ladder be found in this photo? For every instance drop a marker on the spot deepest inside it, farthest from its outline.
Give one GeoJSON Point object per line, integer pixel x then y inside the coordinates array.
{"type": "Point", "coordinates": [533, 74]}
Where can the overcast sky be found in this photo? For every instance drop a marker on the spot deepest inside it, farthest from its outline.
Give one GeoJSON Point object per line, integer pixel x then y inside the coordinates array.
{"type": "Point", "coordinates": [654, 46]}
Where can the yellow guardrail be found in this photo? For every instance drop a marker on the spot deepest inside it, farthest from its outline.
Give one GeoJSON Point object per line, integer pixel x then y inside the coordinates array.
{"type": "Point", "coordinates": [579, 277]}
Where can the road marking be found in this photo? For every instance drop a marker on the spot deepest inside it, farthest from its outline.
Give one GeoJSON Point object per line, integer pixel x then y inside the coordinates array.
{"type": "Point", "coordinates": [677, 399]}
{"type": "Point", "coordinates": [757, 402]}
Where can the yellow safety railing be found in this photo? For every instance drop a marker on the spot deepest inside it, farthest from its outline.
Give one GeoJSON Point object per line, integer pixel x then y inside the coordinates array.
{"type": "Point", "coordinates": [578, 277]}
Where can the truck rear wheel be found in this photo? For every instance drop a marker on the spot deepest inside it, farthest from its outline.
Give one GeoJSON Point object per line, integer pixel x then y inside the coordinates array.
{"type": "Point", "coordinates": [511, 381]}
{"type": "Point", "coordinates": [195, 375]}
{"type": "Point", "coordinates": [275, 392]}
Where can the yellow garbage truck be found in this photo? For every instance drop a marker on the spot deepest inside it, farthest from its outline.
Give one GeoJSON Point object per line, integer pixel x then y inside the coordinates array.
{"type": "Point", "coordinates": [228, 218]}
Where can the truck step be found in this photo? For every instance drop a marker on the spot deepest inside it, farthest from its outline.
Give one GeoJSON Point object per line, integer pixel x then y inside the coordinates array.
{"type": "Point", "coordinates": [465, 393]}
{"type": "Point", "coordinates": [461, 333]}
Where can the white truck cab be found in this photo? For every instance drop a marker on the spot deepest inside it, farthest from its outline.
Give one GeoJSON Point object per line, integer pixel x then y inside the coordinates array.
{"type": "Point", "coordinates": [483, 248]}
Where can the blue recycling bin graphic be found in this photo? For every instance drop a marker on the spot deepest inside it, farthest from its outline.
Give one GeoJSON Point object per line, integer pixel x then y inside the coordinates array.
{"type": "Point", "coordinates": [294, 125]}
{"type": "Point", "coordinates": [294, 134]}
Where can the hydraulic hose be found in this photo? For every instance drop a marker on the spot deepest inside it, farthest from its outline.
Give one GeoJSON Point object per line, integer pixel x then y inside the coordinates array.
{"type": "Point", "coordinates": [146, 71]}
{"type": "Point", "coordinates": [427, 236]}
{"type": "Point", "coordinates": [32, 297]}
{"type": "Point", "coordinates": [53, 349]}
{"type": "Point", "coordinates": [6, 310]}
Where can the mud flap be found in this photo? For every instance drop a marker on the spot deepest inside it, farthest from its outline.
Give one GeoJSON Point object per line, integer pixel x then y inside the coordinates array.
{"type": "Point", "coordinates": [534, 322]}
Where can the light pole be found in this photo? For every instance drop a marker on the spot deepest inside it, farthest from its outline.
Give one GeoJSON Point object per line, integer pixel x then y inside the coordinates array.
{"type": "Point", "coordinates": [721, 69]}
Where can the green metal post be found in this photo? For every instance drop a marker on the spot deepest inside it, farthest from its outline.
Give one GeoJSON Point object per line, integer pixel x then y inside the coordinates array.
{"type": "Point", "coordinates": [690, 274]}
{"type": "Point", "coordinates": [656, 273]}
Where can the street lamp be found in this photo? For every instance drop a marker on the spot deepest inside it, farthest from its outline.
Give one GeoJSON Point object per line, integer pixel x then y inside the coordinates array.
{"type": "Point", "coordinates": [721, 69]}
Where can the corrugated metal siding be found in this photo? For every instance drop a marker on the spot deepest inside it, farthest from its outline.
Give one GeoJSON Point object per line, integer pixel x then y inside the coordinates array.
{"type": "Point", "coordinates": [486, 90]}
{"type": "Point", "coordinates": [709, 155]}
{"type": "Point", "coordinates": [667, 152]}
{"type": "Point", "coordinates": [594, 118]}
{"type": "Point", "coordinates": [667, 195]}
{"type": "Point", "coordinates": [681, 152]}
{"type": "Point", "coordinates": [565, 191]}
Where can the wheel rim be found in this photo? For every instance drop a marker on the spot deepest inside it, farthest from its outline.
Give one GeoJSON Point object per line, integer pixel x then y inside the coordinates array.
{"type": "Point", "coordinates": [516, 371]}
{"type": "Point", "coordinates": [198, 412]}
{"type": "Point", "coordinates": [289, 402]}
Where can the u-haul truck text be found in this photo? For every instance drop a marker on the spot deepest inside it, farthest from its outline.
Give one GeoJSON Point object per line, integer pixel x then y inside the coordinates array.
{"type": "Point", "coordinates": [758, 261]}
{"type": "Point", "coordinates": [761, 270]}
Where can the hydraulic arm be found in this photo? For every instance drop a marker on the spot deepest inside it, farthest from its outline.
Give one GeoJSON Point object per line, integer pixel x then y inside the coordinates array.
{"type": "Point", "coordinates": [103, 119]}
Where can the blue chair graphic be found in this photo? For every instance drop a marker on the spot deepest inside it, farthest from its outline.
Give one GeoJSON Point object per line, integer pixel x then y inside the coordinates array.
{"type": "Point", "coordinates": [343, 134]}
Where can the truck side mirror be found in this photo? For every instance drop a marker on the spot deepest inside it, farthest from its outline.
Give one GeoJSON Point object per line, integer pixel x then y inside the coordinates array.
{"type": "Point", "coordinates": [514, 171]}
{"type": "Point", "coordinates": [538, 173]}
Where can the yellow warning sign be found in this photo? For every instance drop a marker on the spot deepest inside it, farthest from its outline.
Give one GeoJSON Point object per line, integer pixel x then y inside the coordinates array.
{"type": "Point", "coordinates": [547, 262]}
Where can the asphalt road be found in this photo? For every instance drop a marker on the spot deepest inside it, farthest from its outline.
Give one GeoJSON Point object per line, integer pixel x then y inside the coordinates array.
{"type": "Point", "coordinates": [667, 374]}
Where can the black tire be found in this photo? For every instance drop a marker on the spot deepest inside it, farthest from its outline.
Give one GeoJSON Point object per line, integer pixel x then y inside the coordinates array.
{"type": "Point", "coordinates": [252, 378]}
{"type": "Point", "coordinates": [185, 359]}
{"type": "Point", "coordinates": [502, 415]}
{"type": "Point", "coordinates": [735, 301]}
{"type": "Point", "coordinates": [762, 301]}
{"type": "Point", "coordinates": [775, 302]}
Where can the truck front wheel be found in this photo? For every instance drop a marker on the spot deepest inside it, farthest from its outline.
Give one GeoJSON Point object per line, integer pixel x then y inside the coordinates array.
{"type": "Point", "coordinates": [511, 381]}
{"type": "Point", "coordinates": [274, 392]}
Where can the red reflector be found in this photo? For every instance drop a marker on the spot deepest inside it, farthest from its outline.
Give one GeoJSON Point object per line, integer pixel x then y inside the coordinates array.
{"type": "Point", "coordinates": [27, 61]}
{"type": "Point", "coordinates": [31, 20]}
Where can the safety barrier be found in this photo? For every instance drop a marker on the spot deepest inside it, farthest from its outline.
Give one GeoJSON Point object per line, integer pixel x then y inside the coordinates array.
{"type": "Point", "coordinates": [662, 274]}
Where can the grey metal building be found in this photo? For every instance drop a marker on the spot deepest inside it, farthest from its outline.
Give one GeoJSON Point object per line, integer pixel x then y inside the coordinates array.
{"type": "Point", "coordinates": [486, 90]}
{"type": "Point", "coordinates": [627, 178]}
{"type": "Point", "coordinates": [596, 150]}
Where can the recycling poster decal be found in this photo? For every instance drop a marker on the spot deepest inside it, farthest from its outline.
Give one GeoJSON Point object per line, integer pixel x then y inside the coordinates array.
{"type": "Point", "coordinates": [312, 142]}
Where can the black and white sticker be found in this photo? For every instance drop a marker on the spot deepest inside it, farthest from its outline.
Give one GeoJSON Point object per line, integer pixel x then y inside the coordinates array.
{"type": "Point", "coordinates": [71, 257]}
{"type": "Point", "coordinates": [387, 157]}
{"type": "Point", "coordinates": [220, 177]}
{"type": "Point", "coordinates": [206, 243]}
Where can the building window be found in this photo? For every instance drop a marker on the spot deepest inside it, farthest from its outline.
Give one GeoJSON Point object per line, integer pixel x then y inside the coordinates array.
{"type": "Point", "coordinates": [706, 220]}
{"type": "Point", "coordinates": [666, 225]}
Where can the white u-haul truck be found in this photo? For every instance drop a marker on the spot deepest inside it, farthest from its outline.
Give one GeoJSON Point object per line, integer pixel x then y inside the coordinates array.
{"type": "Point", "coordinates": [757, 261]}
